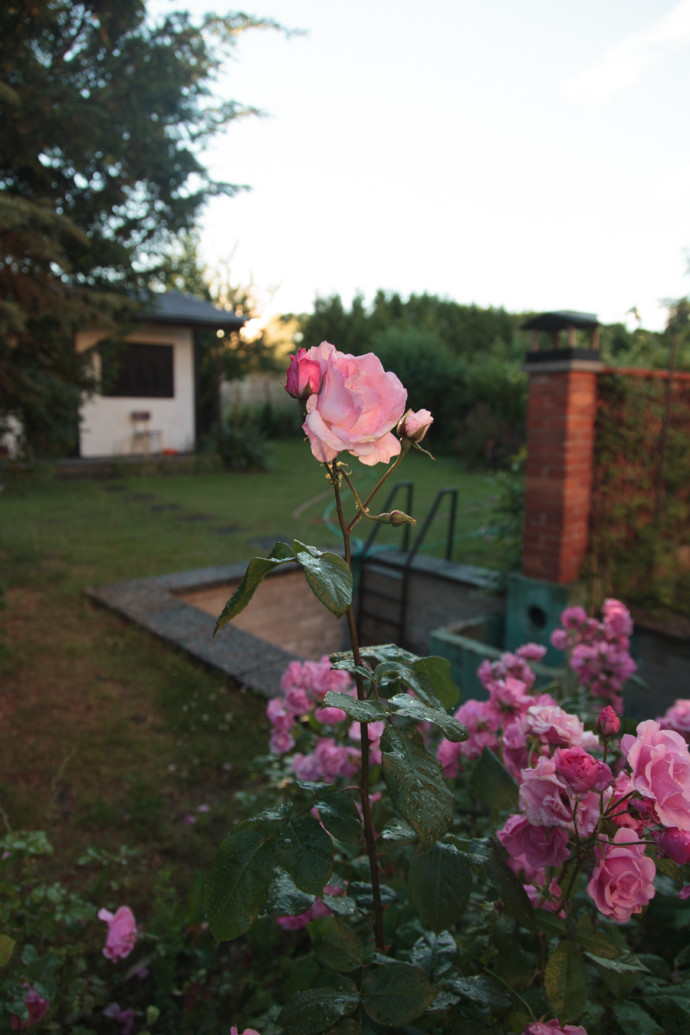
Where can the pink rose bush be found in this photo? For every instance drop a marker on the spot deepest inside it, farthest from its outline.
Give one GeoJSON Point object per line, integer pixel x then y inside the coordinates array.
{"type": "Point", "coordinates": [598, 651]}
{"type": "Point", "coordinates": [122, 933]}
{"type": "Point", "coordinates": [355, 407]}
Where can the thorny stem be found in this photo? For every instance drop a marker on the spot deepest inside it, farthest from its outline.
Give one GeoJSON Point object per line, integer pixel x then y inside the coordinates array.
{"type": "Point", "coordinates": [369, 838]}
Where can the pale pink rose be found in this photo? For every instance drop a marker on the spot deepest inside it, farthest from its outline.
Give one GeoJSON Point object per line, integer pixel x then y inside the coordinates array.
{"type": "Point", "coordinates": [414, 426]}
{"type": "Point", "coordinates": [660, 764]}
{"type": "Point", "coordinates": [553, 1028]}
{"type": "Point", "coordinates": [581, 771]}
{"type": "Point", "coordinates": [555, 726]}
{"type": "Point", "coordinates": [545, 797]}
{"type": "Point", "coordinates": [303, 375]}
{"type": "Point", "coordinates": [37, 1008]}
{"type": "Point", "coordinates": [617, 620]}
{"type": "Point", "coordinates": [677, 718]}
{"type": "Point", "coordinates": [540, 846]}
{"type": "Point", "coordinates": [674, 843]}
{"type": "Point", "coordinates": [355, 408]}
{"type": "Point", "coordinates": [122, 932]}
{"type": "Point", "coordinates": [622, 881]}
{"type": "Point", "coordinates": [531, 651]}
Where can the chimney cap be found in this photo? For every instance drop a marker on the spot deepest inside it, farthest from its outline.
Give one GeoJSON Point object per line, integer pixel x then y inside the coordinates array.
{"type": "Point", "coordinates": [560, 320]}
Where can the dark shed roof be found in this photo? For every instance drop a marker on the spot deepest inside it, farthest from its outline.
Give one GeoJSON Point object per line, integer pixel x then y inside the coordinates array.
{"type": "Point", "coordinates": [560, 321]}
{"type": "Point", "coordinates": [172, 307]}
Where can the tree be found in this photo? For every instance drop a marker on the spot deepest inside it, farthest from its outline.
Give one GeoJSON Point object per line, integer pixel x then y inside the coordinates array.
{"type": "Point", "coordinates": [104, 116]}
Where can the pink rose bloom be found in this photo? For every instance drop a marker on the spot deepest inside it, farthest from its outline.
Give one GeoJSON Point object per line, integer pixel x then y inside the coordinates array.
{"type": "Point", "coordinates": [660, 764]}
{"type": "Point", "coordinates": [280, 742]}
{"type": "Point", "coordinates": [414, 426]}
{"type": "Point", "coordinates": [555, 726]}
{"type": "Point", "coordinates": [297, 701]}
{"type": "Point", "coordinates": [37, 1008]}
{"type": "Point", "coordinates": [531, 651]}
{"type": "Point", "coordinates": [303, 376]}
{"type": "Point", "coordinates": [581, 771]}
{"type": "Point", "coordinates": [677, 718]}
{"type": "Point", "coordinates": [622, 881]}
{"type": "Point", "coordinates": [482, 720]}
{"type": "Point", "coordinates": [279, 715]}
{"type": "Point", "coordinates": [553, 1028]}
{"type": "Point", "coordinates": [573, 618]}
{"type": "Point", "coordinates": [247, 1031]}
{"type": "Point", "coordinates": [539, 846]}
{"type": "Point", "coordinates": [674, 843]}
{"type": "Point", "coordinates": [545, 797]}
{"type": "Point", "coordinates": [122, 933]}
{"type": "Point", "coordinates": [617, 620]}
{"type": "Point", "coordinates": [355, 408]}
{"type": "Point", "coordinates": [448, 754]}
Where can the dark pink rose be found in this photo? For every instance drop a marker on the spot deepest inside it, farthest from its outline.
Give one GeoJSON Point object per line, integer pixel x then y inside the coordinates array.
{"type": "Point", "coordinates": [122, 932]}
{"type": "Point", "coordinates": [553, 1028]}
{"type": "Point", "coordinates": [660, 764]}
{"type": "Point", "coordinates": [608, 723]}
{"type": "Point", "coordinates": [540, 846]}
{"type": "Point", "coordinates": [37, 1008]}
{"type": "Point", "coordinates": [581, 770]}
{"type": "Point", "coordinates": [414, 426]}
{"type": "Point", "coordinates": [622, 881]}
{"type": "Point", "coordinates": [674, 843]}
{"type": "Point", "coordinates": [355, 408]}
{"type": "Point", "coordinates": [303, 376]}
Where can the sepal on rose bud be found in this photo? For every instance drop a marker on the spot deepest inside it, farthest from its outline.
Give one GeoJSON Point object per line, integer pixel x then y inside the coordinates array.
{"type": "Point", "coordinates": [414, 426]}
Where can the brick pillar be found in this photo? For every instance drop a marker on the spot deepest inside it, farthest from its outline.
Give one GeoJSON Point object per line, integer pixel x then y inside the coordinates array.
{"type": "Point", "coordinates": [561, 412]}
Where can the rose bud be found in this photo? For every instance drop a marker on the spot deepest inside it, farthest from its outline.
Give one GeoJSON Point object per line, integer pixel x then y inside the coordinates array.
{"type": "Point", "coordinates": [303, 376]}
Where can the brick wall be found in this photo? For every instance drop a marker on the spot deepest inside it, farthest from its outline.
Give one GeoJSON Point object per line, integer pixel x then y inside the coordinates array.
{"type": "Point", "coordinates": [561, 413]}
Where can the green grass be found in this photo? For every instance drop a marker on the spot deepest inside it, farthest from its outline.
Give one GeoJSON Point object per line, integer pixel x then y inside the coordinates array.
{"type": "Point", "coordinates": [111, 736]}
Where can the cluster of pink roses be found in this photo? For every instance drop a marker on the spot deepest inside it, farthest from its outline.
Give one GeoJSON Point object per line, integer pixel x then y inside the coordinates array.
{"type": "Point", "coordinates": [352, 404]}
{"type": "Point", "coordinates": [304, 686]}
{"type": "Point", "coordinates": [598, 651]}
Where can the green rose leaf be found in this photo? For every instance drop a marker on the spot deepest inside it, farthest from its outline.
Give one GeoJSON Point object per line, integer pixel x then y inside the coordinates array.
{"type": "Point", "coordinates": [305, 850]}
{"type": "Point", "coordinates": [396, 993]}
{"type": "Point", "coordinates": [339, 815]}
{"type": "Point", "coordinates": [438, 672]}
{"type": "Point", "coordinates": [6, 949]}
{"type": "Point", "coordinates": [285, 898]}
{"type": "Point", "coordinates": [633, 1020]}
{"type": "Point", "coordinates": [258, 569]}
{"type": "Point", "coordinates": [510, 888]}
{"type": "Point", "coordinates": [238, 883]}
{"type": "Point", "coordinates": [435, 954]}
{"type": "Point", "coordinates": [336, 945]}
{"type": "Point", "coordinates": [565, 982]}
{"type": "Point", "coordinates": [328, 575]}
{"type": "Point", "coordinates": [362, 711]}
{"type": "Point", "coordinates": [317, 1009]}
{"type": "Point", "coordinates": [493, 784]}
{"type": "Point", "coordinates": [440, 884]}
{"type": "Point", "coordinates": [415, 709]}
{"type": "Point", "coordinates": [416, 785]}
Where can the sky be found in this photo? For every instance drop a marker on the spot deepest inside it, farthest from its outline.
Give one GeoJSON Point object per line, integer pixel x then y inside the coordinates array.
{"type": "Point", "coordinates": [529, 155]}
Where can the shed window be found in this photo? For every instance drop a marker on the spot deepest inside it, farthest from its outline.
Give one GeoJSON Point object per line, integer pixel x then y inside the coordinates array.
{"type": "Point", "coordinates": [137, 370]}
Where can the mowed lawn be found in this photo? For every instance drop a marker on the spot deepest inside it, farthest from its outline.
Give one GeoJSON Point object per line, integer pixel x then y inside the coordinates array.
{"type": "Point", "coordinates": [109, 736]}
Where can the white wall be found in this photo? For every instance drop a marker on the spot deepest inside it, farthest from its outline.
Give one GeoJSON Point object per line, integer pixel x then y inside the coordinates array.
{"type": "Point", "coordinates": [106, 426]}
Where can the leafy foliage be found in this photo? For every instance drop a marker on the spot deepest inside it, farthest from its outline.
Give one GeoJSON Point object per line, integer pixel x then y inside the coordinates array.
{"type": "Point", "coordinates": [103, 117]}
